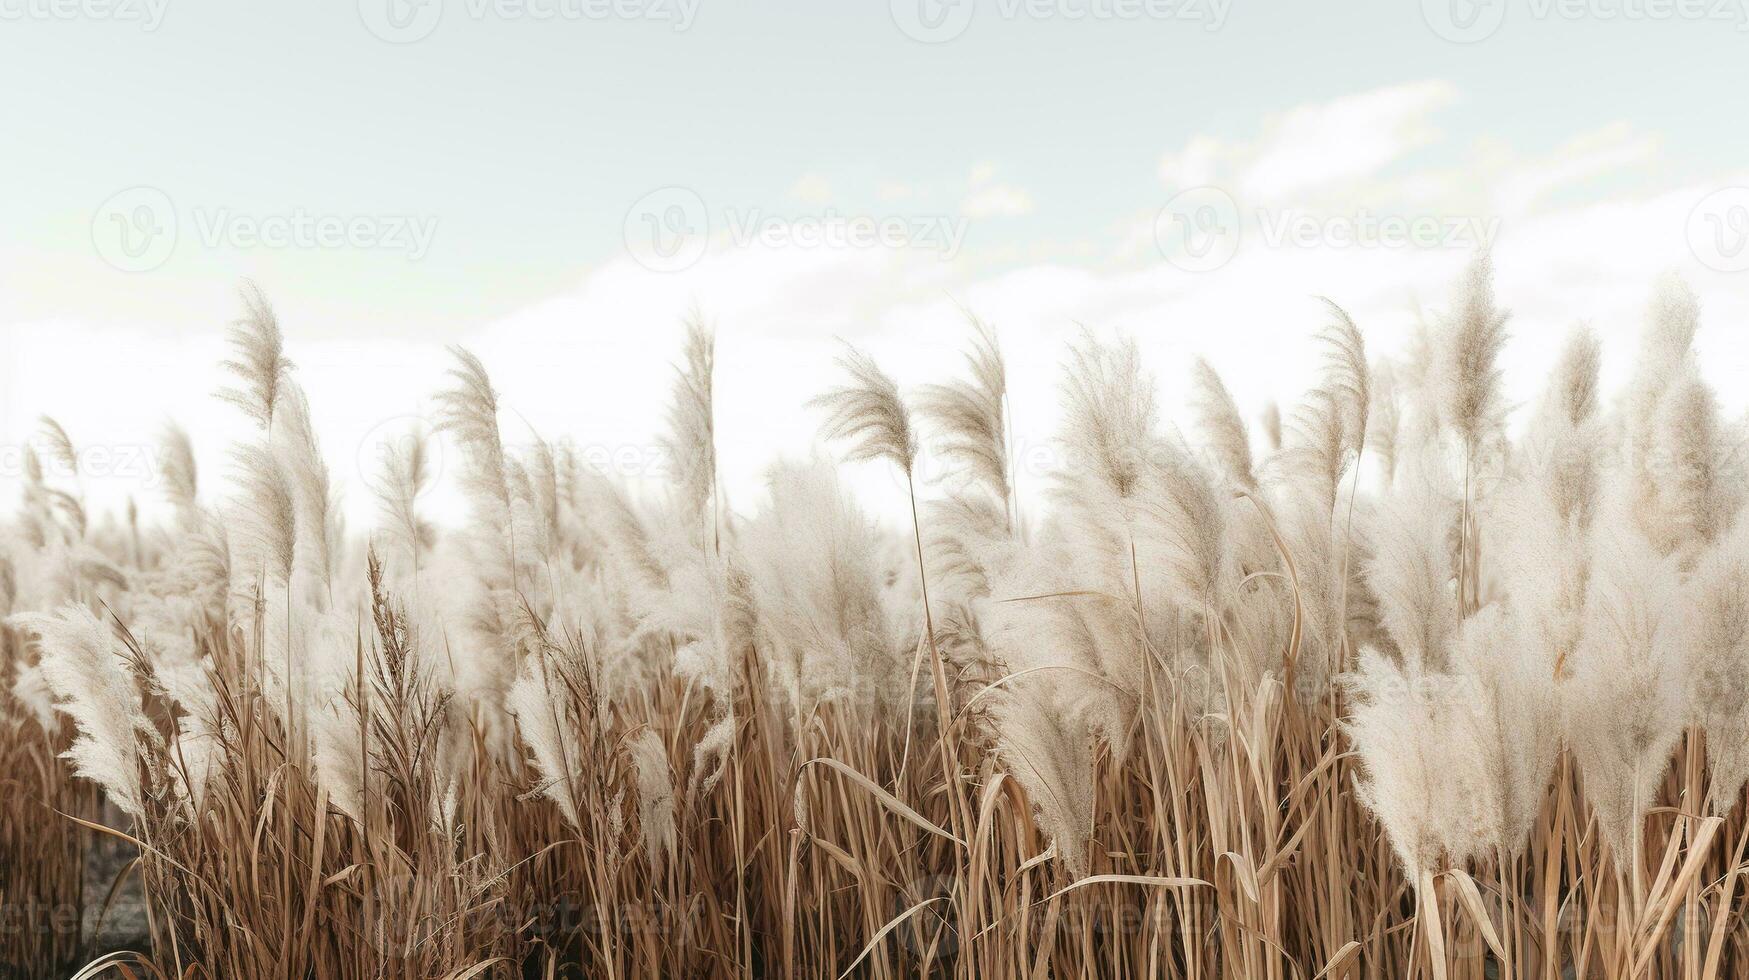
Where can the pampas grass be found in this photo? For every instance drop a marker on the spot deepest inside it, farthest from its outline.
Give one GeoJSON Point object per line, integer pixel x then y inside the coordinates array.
{"type": "Point", "coordinates": [972, 416]}
{"type": "Point", "coordinates": [868, 414]}
{"type": "Point", "coordinates": [1628, 703]}
{"type": "Point", "coordinates": [1413, 688]}
{"type": "Point", "coordinates": [82, 665]}
{"type": "Point", "coordinates": [1720, 676]}
{"type": "Point", "coordinates": [691, 444]}
{"type": "Point", "coordinates": [405, 476]}
{"type": "Point", "coordinates": [260, 363]}
{"type": "Point", "coordinates": [1221, 424]}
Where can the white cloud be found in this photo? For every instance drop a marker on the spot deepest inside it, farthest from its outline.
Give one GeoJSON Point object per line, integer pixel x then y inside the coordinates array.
{"type": "Point", "coordinates": [1315, 146]}
{"type": "Point", "coordinates": [1523, 184]}
{"type": "Point", "coordinates": [996, 200]}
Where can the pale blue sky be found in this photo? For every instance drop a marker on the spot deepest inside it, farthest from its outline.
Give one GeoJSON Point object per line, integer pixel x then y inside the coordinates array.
{"type": "Point", "coordinates": [528, 140]}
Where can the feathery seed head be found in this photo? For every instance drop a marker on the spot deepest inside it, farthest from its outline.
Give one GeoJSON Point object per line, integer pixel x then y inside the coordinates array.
{"type": "Point", "coordinates": [869, 414]}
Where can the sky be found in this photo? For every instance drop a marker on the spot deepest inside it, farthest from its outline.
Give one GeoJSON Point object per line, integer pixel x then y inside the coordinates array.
{"type": "Point", "coordinates": [556, 184]}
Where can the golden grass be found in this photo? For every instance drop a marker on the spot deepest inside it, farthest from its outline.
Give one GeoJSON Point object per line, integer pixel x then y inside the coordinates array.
{"type": "Point", "coordinates": [1248, 859]}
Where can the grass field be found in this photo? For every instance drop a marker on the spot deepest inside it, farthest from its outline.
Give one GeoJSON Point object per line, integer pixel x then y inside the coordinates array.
{"type": "Point", "coordinates": [1364, 688]}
